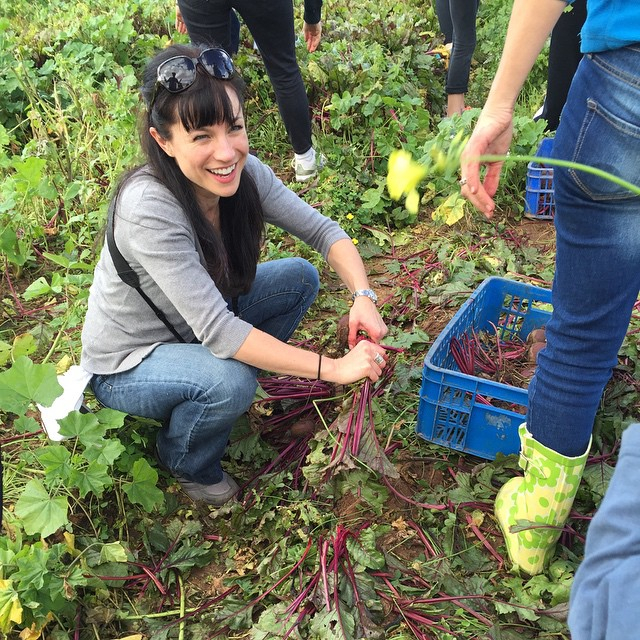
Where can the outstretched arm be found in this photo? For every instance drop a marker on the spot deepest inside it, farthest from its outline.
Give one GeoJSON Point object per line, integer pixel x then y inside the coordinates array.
{"type": "Point", "coordinates": [530, 24]}
{"type": "Point", "coordinates": [364, 315]}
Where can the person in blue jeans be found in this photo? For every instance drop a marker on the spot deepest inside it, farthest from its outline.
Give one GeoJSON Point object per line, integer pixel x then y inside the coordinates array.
{"type": "Point", "coordinates": [605, 595]}
{"type": "Point", "coordinates": [190, 223]}
{"type": "Point", "coordinates": [457, 19]}
{"type": "Point", "coordinates": [597, 268]}
{"type": "Point", "coordinates": [272, 26]}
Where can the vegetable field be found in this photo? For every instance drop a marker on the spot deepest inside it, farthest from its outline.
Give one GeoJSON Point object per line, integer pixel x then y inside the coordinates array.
{"type": "Point", "coordinates": [350, 525]}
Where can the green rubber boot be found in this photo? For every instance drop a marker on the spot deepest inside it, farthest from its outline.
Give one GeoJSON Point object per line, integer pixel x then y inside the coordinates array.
{"type": "Point", "coordinates": [538, 503]}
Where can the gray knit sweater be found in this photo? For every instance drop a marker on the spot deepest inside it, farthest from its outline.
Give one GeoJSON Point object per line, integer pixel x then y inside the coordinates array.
{"type": "Point", "coordinates": [155, 237]}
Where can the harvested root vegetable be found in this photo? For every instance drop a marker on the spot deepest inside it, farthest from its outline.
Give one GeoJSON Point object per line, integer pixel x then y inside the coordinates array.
{"type": "Point", "coordinates": [342, 332]}
{"type": "Point", "coordinates": [534, 350]}
{"type": "Point", "coordinates": [303, 427]}
{"type": "Point", "coordinates": [537, 335]}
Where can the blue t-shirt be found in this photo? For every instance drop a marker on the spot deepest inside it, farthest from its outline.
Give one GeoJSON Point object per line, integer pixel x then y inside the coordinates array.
{"type": "Point", "coordinates": [610, 24]}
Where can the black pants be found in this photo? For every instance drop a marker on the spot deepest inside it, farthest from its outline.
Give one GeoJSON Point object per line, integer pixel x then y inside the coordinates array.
{"type": "Point", "coordinates": [457, 19]}
{"type": "Point", "coordinates": [564, 57]}
{"type": "Point", "coordinates": [272, 26]}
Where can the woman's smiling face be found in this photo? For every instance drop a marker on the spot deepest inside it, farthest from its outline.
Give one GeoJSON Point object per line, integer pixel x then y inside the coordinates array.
{"type": "Point", "coordinates": [211, 158]}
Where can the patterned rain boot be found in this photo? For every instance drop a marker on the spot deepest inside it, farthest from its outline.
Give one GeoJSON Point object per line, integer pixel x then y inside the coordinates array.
{"type": "Point", "coordinates": [543, 498]}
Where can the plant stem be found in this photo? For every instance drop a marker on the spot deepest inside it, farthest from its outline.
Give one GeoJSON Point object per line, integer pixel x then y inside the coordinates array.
{"type": "Point", "coordinates": [563, 163]}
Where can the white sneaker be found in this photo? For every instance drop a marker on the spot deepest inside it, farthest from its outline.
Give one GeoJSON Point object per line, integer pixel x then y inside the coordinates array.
{"type": "Point", "coordinates": [305, 171]}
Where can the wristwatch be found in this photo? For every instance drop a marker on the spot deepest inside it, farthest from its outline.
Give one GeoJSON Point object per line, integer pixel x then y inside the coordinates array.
{"type": "Point", "coordinates": [365, 292]}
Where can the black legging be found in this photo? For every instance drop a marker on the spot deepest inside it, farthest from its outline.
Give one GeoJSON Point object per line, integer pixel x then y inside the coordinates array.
{"type": "Point", "coordinates": [564, 57]}
{"type": "Point", "coordinates": [457, 20]}
{"type": "Point", "coordinates": [271, 24]}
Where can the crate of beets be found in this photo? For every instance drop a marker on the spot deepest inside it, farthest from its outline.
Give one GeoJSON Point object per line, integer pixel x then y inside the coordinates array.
{"type": "Point", "coordinates": [475, 375]}
{"type": "Point", "coordinates": [539, 201]}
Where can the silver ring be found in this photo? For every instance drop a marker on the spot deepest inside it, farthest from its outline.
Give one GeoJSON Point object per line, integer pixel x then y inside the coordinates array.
{"type": "Point", "coordinates": [378, 359]}
{"type": "Point", "coordinates": [462, 182]}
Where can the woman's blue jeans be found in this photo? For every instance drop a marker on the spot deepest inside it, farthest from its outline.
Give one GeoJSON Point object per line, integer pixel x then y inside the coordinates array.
{"type": "Point", "coordinates": [597, 275]}
{"type": "Point", "coordinates": [199, 397]}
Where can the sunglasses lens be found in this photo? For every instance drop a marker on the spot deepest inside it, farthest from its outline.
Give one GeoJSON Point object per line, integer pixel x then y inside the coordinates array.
{"type": "Point", "coordinates": [177, 74]}
{"type": "Point", "coordinates": [217, 63]}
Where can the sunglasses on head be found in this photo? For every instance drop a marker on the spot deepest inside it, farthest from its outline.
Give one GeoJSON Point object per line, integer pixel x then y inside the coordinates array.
{"type": "Point", "coordinates": [179, 73]}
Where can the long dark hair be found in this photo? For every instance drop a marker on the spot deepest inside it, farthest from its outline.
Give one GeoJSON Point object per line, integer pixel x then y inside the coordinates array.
{"type": "Point", "coordinates": [232, 255]}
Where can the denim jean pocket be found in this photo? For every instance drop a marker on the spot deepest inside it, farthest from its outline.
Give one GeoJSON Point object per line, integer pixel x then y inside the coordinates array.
{"type": "Point", "coordinates": [613, 145]}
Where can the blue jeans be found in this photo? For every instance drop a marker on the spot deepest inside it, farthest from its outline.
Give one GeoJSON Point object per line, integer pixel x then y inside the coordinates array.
{"type": "Point", "coordinates": [197, 396]}
{"type": "Point", "coordinates": [272, 26]}
{"type": "Point", "coordinates": [597, 275]}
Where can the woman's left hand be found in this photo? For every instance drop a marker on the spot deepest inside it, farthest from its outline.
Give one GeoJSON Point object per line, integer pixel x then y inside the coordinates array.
{"type": "Point", "coordinates": [312, 34]}
{"type": "Point", "coordinates": [364, 316]}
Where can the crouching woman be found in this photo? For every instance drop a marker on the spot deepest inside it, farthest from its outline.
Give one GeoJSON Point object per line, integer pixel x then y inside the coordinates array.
{"type": "Point", "coordinates": [185, 346]}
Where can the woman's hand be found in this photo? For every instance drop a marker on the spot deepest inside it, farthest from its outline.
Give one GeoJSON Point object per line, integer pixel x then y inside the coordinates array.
{"type": "Point", "coordinates": [365, 360]}
{"type": "Point", "coordinates": [364, 316]}
{"type": "Point", "coordinates": [180, 25]}
{"type": "Point", "coordinates": [491, 136]}
{"type": "Point", "coordinates": [312, 34]}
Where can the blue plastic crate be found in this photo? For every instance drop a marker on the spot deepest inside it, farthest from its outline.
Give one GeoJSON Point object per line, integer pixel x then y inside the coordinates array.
{"type": "Point", "coordinates": [450, 413]}
{"type": "Point", "coordinates": [539, 199]}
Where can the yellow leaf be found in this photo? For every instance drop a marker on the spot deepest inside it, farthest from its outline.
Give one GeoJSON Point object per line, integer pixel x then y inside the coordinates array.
{"type": "Point", "coordinates": [63, 364]}
{"type": "Point", "coordinates": [32, 633]}
{"type": "Point", "coordinates": [451, 210]}
{"type": "Point", "coordinates": [10, 607]}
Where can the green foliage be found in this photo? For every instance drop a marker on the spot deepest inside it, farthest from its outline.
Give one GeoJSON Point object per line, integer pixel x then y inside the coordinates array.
{"type": "Point", "coordinates": [94, 546]}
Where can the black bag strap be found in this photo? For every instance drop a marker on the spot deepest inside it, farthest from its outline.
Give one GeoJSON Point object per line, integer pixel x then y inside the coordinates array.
{"type": "Point", "coordinates": [129, 276]}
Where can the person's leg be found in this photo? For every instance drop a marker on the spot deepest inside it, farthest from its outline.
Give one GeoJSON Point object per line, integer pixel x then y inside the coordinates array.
{"type": "Point", "coordinates": [463, 17]}
{"type": "Point", "coordinates": [209, 22]}
{"type": "Point", "coordinates": [280, 296]}
{"type": "Point", "coordinates": [234, 33]}
{"type": "Point", "coordinates": [564, 57]}
{"type": "Point", "coordinates": [197, 397]}
{"type": "Point", "coordinates": [596, 284]}
{"type": "Point", "coordinates": [272, 26]}
{"type": "Point", "coordinates": [597, 274]}
{"type": "Point", "coordinates": [605, 594]}
{"type": "Point", "coordinates": [444, 20]}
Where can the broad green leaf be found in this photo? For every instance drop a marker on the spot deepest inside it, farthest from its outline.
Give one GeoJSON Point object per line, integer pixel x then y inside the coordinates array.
{"type": "Point", "coordinates": [39, 512]}
{"type": "Point", "coordinates": [11, 247]}
{"type": "Point", "coordinates": [10, 607]}
{"type": "Point", "coordinates": [23, 345]}
{"type": "Point", "coordinates": [92, 479]}
{"type": "Point", "coordinates": [363, 550]}
{"type": "Point", "coordinates": [274, 622]}
{"type": "Point", "coordinates": [32, 568]}
{"type": "Point", "coordinates": [55, 459]}
{"type": "Point", "coordinates": [26, 382]}
{"type": "Point", "coordinates": [333, 625]}
{"type": "Point", "coordinates": [26, 424]}
{"type": "Point", "coordinates": [5, 352]}
{"type": "Point", "coordinates": [37, 288]}
{"type": "Point", "coordinates": [143, 490]}
{"type": "Point", "coordinates": [113, 552]}
{"type": "Point", "coordinates": [110, 418]}
{"type": "Point", "coordinates": [105, 452]}
{"type": "Point", "coordinates": [597, 477]}
{"type": "Point", "coordinates": [84, 426]}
